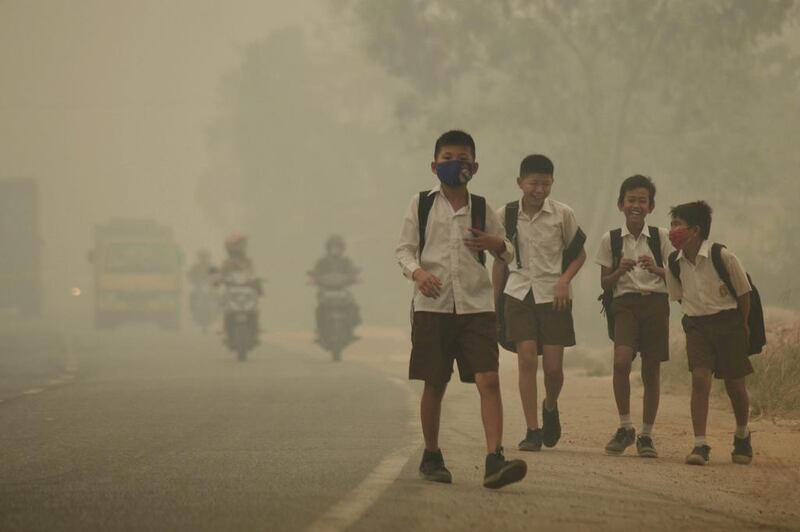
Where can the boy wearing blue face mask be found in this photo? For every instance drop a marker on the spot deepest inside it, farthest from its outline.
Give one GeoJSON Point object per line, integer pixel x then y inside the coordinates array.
{"type": "Point", "coordinates": [445, 234]}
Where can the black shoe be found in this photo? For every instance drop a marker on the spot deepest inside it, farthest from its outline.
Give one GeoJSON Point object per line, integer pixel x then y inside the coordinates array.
{"type": "Point", "coordinates": [551, 426]}
{"type": "Point", "coordinates": [699, 455]}
{"type": "Point", "coordinates": [742, 450]}
{"type": "Point", "coordinates": [501, 472]}
{"type": "Point", "coordinates": [621, 440]}
{"type": "Point", "coordinates": [432, 467]}
{"type": "Point", "coordinates": [645, 447]}
{"type": "Point", "coordinates": [532, 441]}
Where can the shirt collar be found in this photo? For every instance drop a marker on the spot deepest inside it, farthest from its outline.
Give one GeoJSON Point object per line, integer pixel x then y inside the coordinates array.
{"type": "Point", "coordinates": [438, 190]}
{"type": "Point", "coordinates": [547, 206]}
{"type": "Point", "coordinates": [626, 232]}
{"type": "Point", "coordinates": [702, 252]}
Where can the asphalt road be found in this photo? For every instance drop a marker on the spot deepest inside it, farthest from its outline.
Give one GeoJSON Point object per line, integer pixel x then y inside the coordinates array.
{"type": "Point", "coordinates": [164, 432]}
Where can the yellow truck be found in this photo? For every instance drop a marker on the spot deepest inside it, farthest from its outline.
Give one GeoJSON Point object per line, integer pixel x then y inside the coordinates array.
{"type": "Point", "coordinates": [137, 274]}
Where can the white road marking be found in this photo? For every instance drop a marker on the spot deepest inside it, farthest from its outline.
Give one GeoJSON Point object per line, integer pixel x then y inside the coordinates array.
{"type": "Point", "coordinates": [355, 504]}
{"type": "Point", "coordinates": [33, 391]}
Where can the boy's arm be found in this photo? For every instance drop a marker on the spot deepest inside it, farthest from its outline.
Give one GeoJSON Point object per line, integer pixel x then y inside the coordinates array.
{"type": "Point", "coordinates": [674, 286]}
{"type": "Point", "coordinates": [499, 274]}
{"type": "Point", "coordinates": [495, 228]}
{"type": "Point", "coordinates": [406, 250]}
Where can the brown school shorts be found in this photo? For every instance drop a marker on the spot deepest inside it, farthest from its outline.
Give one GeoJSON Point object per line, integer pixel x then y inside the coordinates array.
{"type": "Point", "coordinates": [641, 322]}
{"type": "Point", "coordinates": [437, 339]}
{"type": "Point", "coordinates": [527, 320]}
{"type": "Point", "coordinates": [718, 342]}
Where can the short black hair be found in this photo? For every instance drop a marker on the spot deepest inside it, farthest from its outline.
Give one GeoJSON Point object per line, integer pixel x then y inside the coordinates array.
{"type": "Point", "coordinates": [454, 137]}
{"type": "Point", "coordinates": [638, 181]}
{"type": "Point", "coordinates": [696, 213]}
{"type": "Point", "coordinates": [535, 164]}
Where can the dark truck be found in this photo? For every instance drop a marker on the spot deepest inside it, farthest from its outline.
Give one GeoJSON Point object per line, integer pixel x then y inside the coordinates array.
{"type": "Point", "coordinates": [137, 274]}
{"type": "Point", "coordinates": [20, 247]}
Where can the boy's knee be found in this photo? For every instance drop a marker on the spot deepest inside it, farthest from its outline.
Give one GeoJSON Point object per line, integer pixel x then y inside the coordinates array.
{"type": "Point", "coordinates": [736, 387]}
{"type": "Point", "coordinates": [488, 382]}
{"type": "Point", "coordinates": [622, 365]}
{"type": "Point", "coordinates": [553, 373]}
{"type": "Point", "coordinates": [701, 379]}
{"type": "Point", "coordinates": [528, 361]}
{"type": "Point", "coordinates": [651, 372]}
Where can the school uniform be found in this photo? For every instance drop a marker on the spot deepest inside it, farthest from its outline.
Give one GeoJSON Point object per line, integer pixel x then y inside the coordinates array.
{"type": "Point", "coordinates": [641, 305]}
{"type": "Point", "coordinates": [460, 324]}
{"type": "Point", "coordinates": [541, 241]}
{"type": "Point", "coordinates": [716, 336]}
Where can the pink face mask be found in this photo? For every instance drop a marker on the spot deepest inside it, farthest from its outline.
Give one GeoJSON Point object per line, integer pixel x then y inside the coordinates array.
{"type": "Point", "coordinates": [679, 236]}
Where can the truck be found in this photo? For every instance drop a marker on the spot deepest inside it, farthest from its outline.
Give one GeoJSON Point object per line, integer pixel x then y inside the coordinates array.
{"type": "Point", "coordinates": [20, 247]}
{"type": "Point", "coordinates": [137, 274]}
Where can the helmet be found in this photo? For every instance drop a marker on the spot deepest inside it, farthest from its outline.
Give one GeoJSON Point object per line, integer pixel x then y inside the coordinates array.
{"type": "Point", "coordinates": [335, 241]}
{"type": "Point", "coordinates": [235, 241]}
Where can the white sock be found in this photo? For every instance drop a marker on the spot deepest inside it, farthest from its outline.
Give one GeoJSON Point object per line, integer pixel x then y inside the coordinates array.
{"type": "Point", "coordinates": [625, 421]}
{"type": "Point", "coordinates": [699, 441]}
{"type": "Point", "coordinates": [647, 430]}
{"type": "Point", "coordinates": [742, 431]}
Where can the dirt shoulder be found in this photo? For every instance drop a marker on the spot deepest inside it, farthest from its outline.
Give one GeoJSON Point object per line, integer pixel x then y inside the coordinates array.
{"type": "Point", "coordinates": [575, 486]}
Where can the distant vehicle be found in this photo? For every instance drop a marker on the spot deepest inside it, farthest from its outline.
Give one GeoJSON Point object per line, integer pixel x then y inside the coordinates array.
{"type": "Point", "coordinates": [137, 274]}
{"type": "Point", "coordinates": [20, 247]}
{"type": "Point", "coordinates": [240, 307]}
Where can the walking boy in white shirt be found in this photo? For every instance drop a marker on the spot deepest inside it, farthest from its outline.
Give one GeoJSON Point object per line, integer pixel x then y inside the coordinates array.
{"type": "Point", "coordinates": [445, 234]}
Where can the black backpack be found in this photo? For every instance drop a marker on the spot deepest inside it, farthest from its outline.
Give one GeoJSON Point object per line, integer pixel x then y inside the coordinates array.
{"type": "Point", "coordinates": [570, 253]}
{"type": "Point", "coordinates": [755, 321]}
{"type": "Point", "coordinates": [607, 297]}
{"type": "Point", "coordinates": [426, 204]}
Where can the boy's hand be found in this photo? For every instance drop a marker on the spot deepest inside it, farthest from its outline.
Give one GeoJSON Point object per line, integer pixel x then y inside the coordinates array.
{"type": "Point", "coordinates": [561, 296]}
{"type": "Point", "coordinates": [626, 265]}
{"type": "Point", "coordinates": [480, 241]}
{"type": "Point", "coordinates": [648, 263]}
{"type": "Point", "coordinates": [427, 283]}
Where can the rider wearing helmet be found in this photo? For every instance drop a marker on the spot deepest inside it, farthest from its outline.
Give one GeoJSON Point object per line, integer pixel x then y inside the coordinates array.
{"type": "Point", "coordinates": [237, 259]}
{"type": "Point", "coordinates": [335, 271]}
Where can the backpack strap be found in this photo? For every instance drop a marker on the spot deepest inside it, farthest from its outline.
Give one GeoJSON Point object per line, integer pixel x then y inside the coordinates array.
{"type": "Point", "coordinates": [423, 210]}
{"type": "Point", "coordinates": [512, 217]}
{"type": "Point", "coordinates": [722, 271]}
{"type": "Point", "coordinates": [655, 245]}
{"type": "Point", "coordinates": [616, 248]}
{"type": "Point", "coordinates": [674, 265]}
{"type": "Point", "coordinates": [573, 249]}
{"type": "Point", "coordinates": [478, 210]}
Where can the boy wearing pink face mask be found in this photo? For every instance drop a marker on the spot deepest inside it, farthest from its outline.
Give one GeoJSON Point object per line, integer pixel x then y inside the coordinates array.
{"type": "Point", "coordinates": [445, 235]}
{"type": "Point", "coordinates": [715, 323]}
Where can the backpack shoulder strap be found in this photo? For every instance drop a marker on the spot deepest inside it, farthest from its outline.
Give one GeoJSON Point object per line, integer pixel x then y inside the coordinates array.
{"type": "Point", "coordinates": [479, 219]}
{"type": "Point", "coordinates": [574, 248]}
{"type": "Point", "coordinates": [616, 247]}
{"type": "Point", "coordinates": [512, 216]}
{"type": "Point", "coordinates": [674, 265]}
{"type": "Point", "coordinates": [719, 266]}
{"type": "Point", "coordinates": [423, 210]}
{"type": "Point", "coordinates": [655, 245]}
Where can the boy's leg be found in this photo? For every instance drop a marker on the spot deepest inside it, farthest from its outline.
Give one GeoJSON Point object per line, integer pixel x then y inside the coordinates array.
{"type": "Point", "coordinates": [488, 384]}
{"type": "Point", "coordinates": [740, 400]}
{"type": "Point", "coordinates": [430, 414]}
{"type": "Point", "coordinates": [553, 369]}
{"type": "Point", "coordinates": [528, 363]}
{"type": "Point", "coordinates": [623, 359]}
{"type": "Point", "coordinates": [701, 388]}
{"type": "Point", "coordinates": [651, 379]}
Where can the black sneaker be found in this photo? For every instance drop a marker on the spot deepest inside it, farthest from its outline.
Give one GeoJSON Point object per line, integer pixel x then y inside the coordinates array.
{"type": "Point", "coordinates": [623, 439]}
{"type": "Point", "coordinates": [532, 441]}
{"type": "Point", "coordinates": [699, 455]}
{"type": "Point", "coordinates": [551, 427]}
{"type": "Point", "coordinates": [742, 450]}
{"type": "Point", "coordinates": [432, 467]}
{"type": "Point", "coordinates": [501, 472]}
{"type": "Point", "coordinates": [645, 447]}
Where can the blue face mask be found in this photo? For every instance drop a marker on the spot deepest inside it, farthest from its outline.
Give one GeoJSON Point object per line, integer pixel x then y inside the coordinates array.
{"type": "Point", "coordinates": [455, 173]}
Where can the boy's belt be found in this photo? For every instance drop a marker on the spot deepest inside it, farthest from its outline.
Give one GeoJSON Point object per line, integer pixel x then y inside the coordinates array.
{"type": "Point", "coordinates": [642, 294]}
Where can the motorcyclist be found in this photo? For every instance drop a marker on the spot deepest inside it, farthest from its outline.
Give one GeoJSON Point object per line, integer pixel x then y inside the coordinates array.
{"type": "Point", "coordinates": [237, 267]}
{"type": "Point", "coordinates": [202, 299]}
{"type": "Point", "coordinates": [335, 271]}
{"type": "Point", "coordinates": [200, 273]}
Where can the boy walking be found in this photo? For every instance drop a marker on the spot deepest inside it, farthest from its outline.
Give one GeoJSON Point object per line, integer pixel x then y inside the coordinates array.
{"type": "Point", "coordinates": [715, 321]}
{"type": "Point", "coordinates": [446, 232]}
{"type": "Point", "coordinates": [632, 272]}
{"type": "Point", "coordinates": [538, 299]}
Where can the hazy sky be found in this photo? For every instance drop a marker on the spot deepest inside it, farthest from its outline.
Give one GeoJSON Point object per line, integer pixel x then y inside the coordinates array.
{"type": "Point", "coordinates": [106, 103]}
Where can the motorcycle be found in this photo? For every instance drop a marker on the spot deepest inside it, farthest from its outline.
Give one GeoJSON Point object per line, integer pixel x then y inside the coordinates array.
{"type": "Point", "coordinates": [337, 314]}
{"type": "Point", "coordinates": [240, 310]}
{"type": "Point", "coordinates": [204, 303]}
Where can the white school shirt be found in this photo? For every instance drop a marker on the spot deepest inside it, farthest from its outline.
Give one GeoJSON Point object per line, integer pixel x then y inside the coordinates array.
{"type": "Point", "coordinates": [541, 241]}
{"type": "Point", "coordinates": [638, 280]}
{"type": "Point", "coordinates": [700, 290]}
{"type": "Point", "coordinates": [466, 284]}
